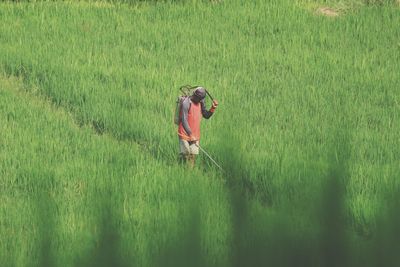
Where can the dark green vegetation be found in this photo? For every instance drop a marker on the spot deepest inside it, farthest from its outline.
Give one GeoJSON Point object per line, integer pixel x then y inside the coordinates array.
{"type": "Point", "coordinates": [307, 132]}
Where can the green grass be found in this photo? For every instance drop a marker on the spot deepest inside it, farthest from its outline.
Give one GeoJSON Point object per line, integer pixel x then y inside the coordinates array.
{"type": "Point", "coordinates": [87, 102]}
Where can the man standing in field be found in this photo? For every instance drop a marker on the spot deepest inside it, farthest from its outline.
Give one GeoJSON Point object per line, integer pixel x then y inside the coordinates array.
{"type": "Point", "coordinates": [192, 110]}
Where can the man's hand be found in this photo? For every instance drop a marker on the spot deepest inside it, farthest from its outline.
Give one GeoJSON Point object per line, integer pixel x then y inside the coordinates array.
{"type": "Point", "coordinates": [214, 105]}
{"type": "Point", "coordinates": [192, 138]}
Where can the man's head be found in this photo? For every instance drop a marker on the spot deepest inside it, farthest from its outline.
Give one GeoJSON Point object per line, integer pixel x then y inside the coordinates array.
{"type": "Point", "coordinates": [198, 94]}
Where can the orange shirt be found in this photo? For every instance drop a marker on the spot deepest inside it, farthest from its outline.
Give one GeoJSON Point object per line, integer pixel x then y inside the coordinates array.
{"type": "Point", "coordinates": [194, 118]}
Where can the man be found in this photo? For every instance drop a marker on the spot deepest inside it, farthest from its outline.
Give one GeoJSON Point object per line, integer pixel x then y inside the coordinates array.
{"type": "Point", "coordinates": [193, 108]}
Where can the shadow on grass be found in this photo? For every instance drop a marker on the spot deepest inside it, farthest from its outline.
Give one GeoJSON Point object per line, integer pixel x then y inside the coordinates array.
{"type": "Point", "coordinates": [107, 249]}
{"type": "Point", "coordinates": [187, 251]}
{"type": "Point", "coordinates": [258, 239]}
{"type": "Point", "coordinates": [45, 207]}
{"type": "Point", "coordinates": [332, 243]}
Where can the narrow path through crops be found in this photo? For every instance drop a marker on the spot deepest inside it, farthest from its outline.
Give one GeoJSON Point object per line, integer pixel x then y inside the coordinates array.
{"type": "Point", "coordinates": [37, 97]}
{"type": "Point", "coordinates": [96, 127]}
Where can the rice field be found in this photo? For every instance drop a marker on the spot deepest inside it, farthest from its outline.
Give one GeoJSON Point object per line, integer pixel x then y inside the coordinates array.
{"type": "Point", "coordinates": [306, 131]}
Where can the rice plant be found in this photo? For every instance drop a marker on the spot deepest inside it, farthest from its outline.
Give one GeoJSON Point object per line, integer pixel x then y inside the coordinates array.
{"type": "Point", "coordinates": [305, 131]}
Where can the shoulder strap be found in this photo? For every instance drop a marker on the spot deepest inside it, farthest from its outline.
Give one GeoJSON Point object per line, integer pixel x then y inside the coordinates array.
{"type": "Point", "coordinates": [190, 101]}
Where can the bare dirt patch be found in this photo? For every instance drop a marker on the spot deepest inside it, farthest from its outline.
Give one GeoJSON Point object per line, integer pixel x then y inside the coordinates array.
{"type": "Point", "coordinates": [327, 11]}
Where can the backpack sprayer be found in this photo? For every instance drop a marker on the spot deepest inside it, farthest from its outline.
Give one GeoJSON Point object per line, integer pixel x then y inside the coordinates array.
{"type": "Point", "coordinates": [187, 91]}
